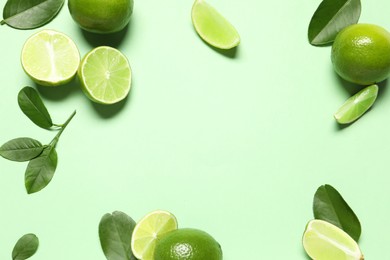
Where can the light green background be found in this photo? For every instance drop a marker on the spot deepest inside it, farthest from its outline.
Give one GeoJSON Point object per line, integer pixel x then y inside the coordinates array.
{"type": "Point", "coordinates": [235, 146]}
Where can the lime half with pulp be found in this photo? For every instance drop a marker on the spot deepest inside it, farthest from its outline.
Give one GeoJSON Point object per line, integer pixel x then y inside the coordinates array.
{"type": "Point", "coordinates": [324, 241]}
{"type": "Point", "coordinates": [212, 27]}
{"type": "Point", "coordinates": [356, 105]}
{"type": "Point", "coordinates": [50, 58]}
{"type": "Point", "coordinates": [105, 75]}
{"type": "Point", "coordinates": [148, 230]}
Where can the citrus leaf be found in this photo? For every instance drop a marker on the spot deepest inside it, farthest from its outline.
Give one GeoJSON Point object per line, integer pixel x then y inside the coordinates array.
{"type": "Point", "coordinates": [329, 205]}
{"type": "Point", "coordinates": [40, 170]}
{"type": "Point", "coordinates": [21, 149]}
{"type": "Point", "coordinates": [26, 247]}
{"type": "Point", "coordinates": [115, 231]}
{"type": "Point", "coordinates": [32, 106]}
{"type": "Point", "coordinates": [331, 17]}
{"type": "Point", "coordinates": [29, 14]}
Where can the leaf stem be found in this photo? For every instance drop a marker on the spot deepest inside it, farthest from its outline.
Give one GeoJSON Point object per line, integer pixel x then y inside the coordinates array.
{"type": "Point", "coordinates": [63, 126]}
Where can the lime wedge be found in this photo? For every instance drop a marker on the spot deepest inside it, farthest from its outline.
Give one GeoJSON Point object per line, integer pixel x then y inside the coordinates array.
{"type": "Point", "coordinates": [212, 27]}
{"type": "Point", "coordinates": [50, 58]}
{"type": "Point", "coordinates": [148, 230]}
{"type": "Point", "coordinates": [324, 241]}
{"type": "Point", "coordinates": [105, 75]}
{"type": "Point", "coordinates": [356, 105]}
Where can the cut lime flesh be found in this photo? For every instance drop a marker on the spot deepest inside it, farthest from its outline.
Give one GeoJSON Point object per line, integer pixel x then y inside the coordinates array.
{"type": "Point", "coordinates": [148, 230]}
{"type": "Point", "coordinates": [323, 241]}
{"type": "Point", "coordinates": [212, 27]}
{"type": "Point", "coordinates": [105, 75]}
{"type": "Point", "coordinates": [50, 58]}
{"type": "Point", "coordinates": [356, 105]}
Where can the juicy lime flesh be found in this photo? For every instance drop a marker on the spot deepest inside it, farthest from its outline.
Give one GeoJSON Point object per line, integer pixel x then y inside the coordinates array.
{"type": "Point", "coordinates": [357, 105]}
{"type": "Point", "coordinates": [212, 27]}
{"type": "Point", "coordinates": [105, 75]}
{"type": "Point", "coordinates": [189, 244]}
{"type": "Point", "coordinates": [149, 230]}
{"type": "Point", "coordinates": [50, 58]}
{"type": "Point", "coordinates": [324, 241]}
{"type": "Point", "coordinates": [361, 54]}
{"type": "Point", "coordinates": [101, 16]}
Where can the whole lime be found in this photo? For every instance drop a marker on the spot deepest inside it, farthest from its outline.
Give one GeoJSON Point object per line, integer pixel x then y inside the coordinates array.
{"type": "Point", "coordinates": [101, 16]}
{"type": "Point", "coordinates": [187, 244]}
{"type": "Point", "coordinates": [361, 54]}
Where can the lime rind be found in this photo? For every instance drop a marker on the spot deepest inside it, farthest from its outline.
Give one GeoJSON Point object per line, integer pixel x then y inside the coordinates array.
{"type": "Point", "coordinates": [50, 58]}
{"type": "Point", "coordinates": [212, 27]}
{"type": "Point", "coordinates": [148, 230]}
{"type": "Point", "coordinates": [357, 105]}
{"type": "Point", "coordinates": [323, 241]}
{"type": "Point", "coordinates": [105, 75]}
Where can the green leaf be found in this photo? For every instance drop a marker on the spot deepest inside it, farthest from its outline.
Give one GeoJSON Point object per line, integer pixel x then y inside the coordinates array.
{"type": "Point", "coordinates": [330, 18]}
{"type": "Point", "coordinates": [115, 231]}
{"type": "Point", "coordinates": [40, 170]}
{"type": "Point", "coordinates": [26, 247]}
{"type": "Point", "coordinates": [21, 149]}
{"type": "Point", "coordinates": [32, 106]}
{"type": "Point", "coordinates": [29, 14]}
{"type": "Point", "coordinates": [330, 206]}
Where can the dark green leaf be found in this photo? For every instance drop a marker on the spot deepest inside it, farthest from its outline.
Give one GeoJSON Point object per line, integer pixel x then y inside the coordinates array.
{"type": "Point", "coordinates": [115, 231]}
{"type": "Point", "coordinates": [21, 149]}
{"type": "Point", "coordinates": [40, 170]}
{"type": "Point", "coordinates": [330, 206]}
{"type": "Point", "coordinates": [29, 14]}
{"type": "Point", "coordinates": [32, 106]}
{"type": "Point", "coordinates": [26, 247]}
{"type": "Point", "coordinates": [330, 18]}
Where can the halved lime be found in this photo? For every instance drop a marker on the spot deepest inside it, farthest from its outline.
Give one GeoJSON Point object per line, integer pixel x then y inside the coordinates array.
{"type": "Point", "coordinates": [50, 58]}
{"type": "Point", "coordinates": [356, 105]}
{"type": "Point", "coordinates": [324, 241]}
{"type": "Point", "coordinates": [148, 230]}
{"type": "Point", "coordinates": [212, 27]}
{"type": "Point", "coordinates": [105, 75]}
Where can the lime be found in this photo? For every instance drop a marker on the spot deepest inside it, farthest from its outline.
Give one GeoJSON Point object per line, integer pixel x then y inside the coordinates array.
{"type": "Point", "coordinates": [148, 230]}
{"type": "Point", "coordinates": [101, 16]}
{"type": "Point", "coordinates": [105, 75]}
{"type": "Point", "coordinates": [356, 105]}
{"type": "Point", "coordinates": [361, 54]}
{"type": "Point", "coordinates": [50, 58]}
{"type": "Point", "coordinates": [323, 241]}
{"type": "Point", "coordinates": [187, 244]}
{"type": "Point", "coordinates": [212, 27]}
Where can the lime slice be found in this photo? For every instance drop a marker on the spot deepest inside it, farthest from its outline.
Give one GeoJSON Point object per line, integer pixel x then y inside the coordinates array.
{"type": "Point", "coordinates": [50, 58]}
{"type": "Point", "coordinates": [212, 27]}
{"type": "Point", "coordinates": [323, 241]}
{"type": "Point", "coordinates": [148, 230]}
{"type": "Point", "coordinates": [105, 75]}
{"type": "Point", "coordinates": [356, 105]}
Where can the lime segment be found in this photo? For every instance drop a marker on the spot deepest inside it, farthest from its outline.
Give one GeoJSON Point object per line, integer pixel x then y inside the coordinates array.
{"type": "Point", "coordinates": [323, 241]}
{"type": "Point", "coordinates": [356, 105]}
{"type": "Point", "coordinates": [212, 27]}
{"type": "Point", "coordinates": [148, 230]}
{"type": "Point", "coordinates": [50, 58]}
{"type": "Point", "coordinates": [105, 75]}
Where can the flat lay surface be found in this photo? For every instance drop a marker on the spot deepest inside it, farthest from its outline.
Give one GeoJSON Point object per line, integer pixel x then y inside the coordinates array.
{"type": "Point", "coordinates": [232, 142]}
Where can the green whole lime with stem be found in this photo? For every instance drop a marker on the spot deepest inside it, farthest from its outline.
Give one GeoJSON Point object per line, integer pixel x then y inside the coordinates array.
{"type": "Point", "coordinates": [361, 54]}
{"type": "Point", "coordinates": [101, 16]}
{"type": "Point", "coordinates": [187, 244]}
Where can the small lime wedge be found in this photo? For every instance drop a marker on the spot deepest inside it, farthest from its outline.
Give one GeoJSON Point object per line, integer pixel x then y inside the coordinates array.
{"type": "Point", "coordinates": [50, 58]}
{"type": "Point", "coordinates": [356, 105]}
{"type": "Point", "coordinates": [324, 241]}
{"type": "Point", "coordinates": [105, 75]}
{"type": "Point", "coordinates": [212, 27]}
{"type": "Point", "coordinates": [148, 230]}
